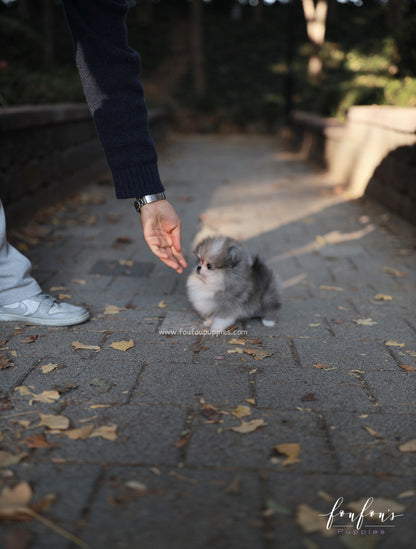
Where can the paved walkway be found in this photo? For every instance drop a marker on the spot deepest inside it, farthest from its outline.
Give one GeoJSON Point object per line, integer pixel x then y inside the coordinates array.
{"type": "Point", "coordinates": [139, 443]}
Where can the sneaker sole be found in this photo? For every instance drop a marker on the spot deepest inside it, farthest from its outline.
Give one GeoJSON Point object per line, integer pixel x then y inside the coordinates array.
{"type": "Point", "coordinates": [6, 317]}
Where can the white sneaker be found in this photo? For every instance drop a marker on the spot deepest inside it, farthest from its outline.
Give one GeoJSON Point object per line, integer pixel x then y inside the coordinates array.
{"type": "Point", "coordinates": [44, 309]}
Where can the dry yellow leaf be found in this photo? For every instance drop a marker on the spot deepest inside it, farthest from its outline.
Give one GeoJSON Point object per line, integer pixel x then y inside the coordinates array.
{"type": "Point", "coordinates": [47, 368]}
{"type": "Point", "coordinates": [112, 310]}
{"type": "Point", "coordinates": [108, 432]}
{"type": "Point", "coordinates": [137, 486]}
{"type": "Point", "coordinates": [371, 431]}
{"type": "Point", "coordinates": [54, 421]}
{"type": "Point", "coordinates": [125, 262]}
{"type": "Point", "coordinates": [7, 459]}
{"type": "Point", "coordinates": [242, 411]}
{"type": "Point", "coordinates": [79, 345]}
{"type": "Point", "coordinates": [365, 322]}
{"type": "Point", "coordinates": [162, 304]}
{"type": "Point", "coordinates": [122, 345]}
{"type": "Point", "coordinates": [331, 288]}
{"type": "Point", "coordinates": [251, 401]}
{"type": "Point", "coordinates": [409, 446]}
{"type": "Point", "coordinates": [257, 354]}
{"type": "Point", "coordinates": [248, 426]}
{"type": "Point", "coordinates": [237, 341]}
{"type": "Point", "coordinates": [13, 501]}
{"type": "Point", "coordinates": [290, 450]}
{"type": "Point", "coordinates": [64, 296]}
{"type": "Point", "coordinates": [382, 297]}
{"type": "Point", "coordinates": [394, 344]}
{"type": "Point", "coordinates": [46, 396]}
{"type": "Point", "coordinates": [79, 281]}
{"type": "Point", "coordinates": [81, 433]}
{"type": "Point", "coordinates": [93, 406]}
{"type": "Point", "coordinates": [393, 272]}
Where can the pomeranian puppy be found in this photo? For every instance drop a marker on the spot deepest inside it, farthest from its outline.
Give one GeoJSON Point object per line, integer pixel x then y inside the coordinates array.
{"type": "Point", "coordinates": [228, 284]}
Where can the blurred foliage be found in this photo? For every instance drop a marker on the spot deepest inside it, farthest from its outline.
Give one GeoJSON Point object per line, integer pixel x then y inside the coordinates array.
{"type": "Point", "coordinates": [247, 61]}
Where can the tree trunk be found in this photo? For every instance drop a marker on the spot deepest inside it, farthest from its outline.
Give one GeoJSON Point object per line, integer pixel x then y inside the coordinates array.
{"type": "Point", "coordinates": [197, 55]}
{"type": "Point", "coordinates": [315, 16]}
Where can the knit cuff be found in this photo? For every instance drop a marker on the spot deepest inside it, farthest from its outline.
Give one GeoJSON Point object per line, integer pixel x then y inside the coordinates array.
{"type": "Point", "coordinates": [137, 181]}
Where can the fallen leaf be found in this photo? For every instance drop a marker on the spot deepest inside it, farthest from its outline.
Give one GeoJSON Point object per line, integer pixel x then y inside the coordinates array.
{"type": "Point", "coordinates": [257, 354]}
{"type": "Point", "coordinates": [320, 240]}
{"type": "Point", "coordinates": [407, 367]}
{"type": "Point", "coordinates": [122, 240]}
{"type": "Point", "coordinates": [319, 366]}
{"type": "Point", "coordinates": [371, 432]}
{"type": "Point", "coordinates": [57, 288]}
{"type": "Point", "coordinates": [409, 446]}
{"type": "Point", "coordinates": [251, 401]}
{"type": "Point", "coordinates": [5, 362]}
{"type": "Point", "coordinates": [81, 433]}
{"type": "Point", "coordinates": [162, 304]}
{"type": "Point", "coordinates": [241, 411]}
{"type": "Point", "coordinates": [248, 426]}
{"type": "Point", "coordinates": [100, 385]}
{"type": "Point", "coordinates": [112, 310]}
{"type": "Point", "coordinates": [24, 390]}
{"type": "Point", "coordinates": [13, 501]}
{"type": "Point", "coordinates": [394, 343]}
{"type": "Point", "coordinates": [237, 341]}
{"type": "Point", "coordinates": [308, 397]}
{"type": "Point", "coordinates": [365, 322]}
{"type": "Point", "coordinates": [30, 339]}
{"type": "Point", "coordinates": [47, 368]}
{"type": "Point", "coordinates": [108, 432]}
{"type": "Point", "coordinates": [7, 458]}
{"type": "Point", "coordinates": [393, 272]}
{"type": "Point", "coordinates": [69, 386]}
{"type": "Point", "coordinates": [382, 297]}
{"type": "Point", "coordinates": [37, 441]}
{"type": "Point", "coordinates": [125, 262]}
{"type": "Point", "coordinates": [310, 520]}
{"type": "Point", "coordinates": [78, 281]}
{"type": "Point", "coordinates": [211, 413]}
{"type": "Point", "coordinates": [331, 288]}
{"type": "Point", "coordinates": [122, 345]}
{"type": "Point", "coordinates": [137, 486]}
{"type": "Point", "coordinates": [61, 297]}
{"type": "Point", "coordinates": [407, 494]}
{"type": "Point", "coordinates": [79, 345]}
{"type": "Point", "coordinates": [54, 421]}
{"type": "Point", "coordinates": [46, 396]}
{"type": "Point", "coordinates": [289, 449]}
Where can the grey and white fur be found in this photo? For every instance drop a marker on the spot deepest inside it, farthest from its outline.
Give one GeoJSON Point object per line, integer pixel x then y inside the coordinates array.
{"type": "Point", "coordinates": [229, 285]}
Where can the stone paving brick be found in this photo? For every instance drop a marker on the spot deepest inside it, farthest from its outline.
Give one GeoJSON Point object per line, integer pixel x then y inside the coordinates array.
{"type": "Point", "coordinates": [372, 452]}
{"type": "Point", "coordinates": [190, 508]}
{"type": "Point", "coordinates": [345, 354]}
{"type": "Point", "coordinates": [215, 445]}
{"type": "Point", "coordinates": [188, 383]}
{"type": "Point", "coordinates": [328, 389]}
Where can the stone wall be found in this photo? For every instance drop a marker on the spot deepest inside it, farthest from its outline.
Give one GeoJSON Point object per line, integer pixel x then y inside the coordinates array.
{"type": "Point", "coordinates": [373, 153]}
{"type": "Point", "coordinates": [49, 151]}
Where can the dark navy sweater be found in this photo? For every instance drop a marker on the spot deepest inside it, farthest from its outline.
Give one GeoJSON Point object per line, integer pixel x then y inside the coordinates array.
{"type": "Point", "coordinates": [109, 71]}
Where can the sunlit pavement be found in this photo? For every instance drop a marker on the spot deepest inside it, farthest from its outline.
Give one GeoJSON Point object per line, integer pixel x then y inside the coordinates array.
{"type": "Point", "coordinates": [155, 434]}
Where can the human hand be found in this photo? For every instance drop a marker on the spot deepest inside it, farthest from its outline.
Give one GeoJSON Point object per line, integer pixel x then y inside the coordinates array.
{"type": "Point", "coordinates": [162, 232]}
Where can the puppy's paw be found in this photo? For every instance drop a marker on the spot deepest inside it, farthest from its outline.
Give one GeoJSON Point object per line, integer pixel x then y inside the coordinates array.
{"type": "Point", "coordinates": [268, 323]}
{"type": "Point", "coordinates": [221, 324]}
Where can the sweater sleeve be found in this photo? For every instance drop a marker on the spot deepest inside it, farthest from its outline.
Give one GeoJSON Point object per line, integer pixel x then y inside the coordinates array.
{"type": "Point", "coordinates": [109, 71]}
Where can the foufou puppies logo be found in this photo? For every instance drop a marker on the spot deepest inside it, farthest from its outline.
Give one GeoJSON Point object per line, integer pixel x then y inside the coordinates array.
{"type": "Point", "coordinates": [369, 511]}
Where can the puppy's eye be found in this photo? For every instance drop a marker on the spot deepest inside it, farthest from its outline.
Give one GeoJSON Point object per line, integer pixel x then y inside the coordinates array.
{"type": "Point", "coordinates": [209, 266]}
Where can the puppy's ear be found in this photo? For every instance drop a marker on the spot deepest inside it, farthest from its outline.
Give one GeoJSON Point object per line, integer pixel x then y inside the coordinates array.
{"type": "Point", "coordinates": [234, 255]}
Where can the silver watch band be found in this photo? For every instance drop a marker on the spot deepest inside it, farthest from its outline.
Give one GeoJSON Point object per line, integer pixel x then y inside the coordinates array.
{"type": "Point", "coordinates": [148, 199]}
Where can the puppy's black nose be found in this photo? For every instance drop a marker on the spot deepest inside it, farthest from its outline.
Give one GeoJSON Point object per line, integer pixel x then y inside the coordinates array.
{"type": "Point", "coordinates": [198, 268]}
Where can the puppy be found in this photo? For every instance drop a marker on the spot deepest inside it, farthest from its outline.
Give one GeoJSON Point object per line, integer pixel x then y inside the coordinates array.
{"type": "Point", "coordinates": [229, 285]}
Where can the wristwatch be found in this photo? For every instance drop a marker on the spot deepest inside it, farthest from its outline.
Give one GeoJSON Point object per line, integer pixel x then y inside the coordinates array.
{"type": "Point", "coordinates": [148, 199]}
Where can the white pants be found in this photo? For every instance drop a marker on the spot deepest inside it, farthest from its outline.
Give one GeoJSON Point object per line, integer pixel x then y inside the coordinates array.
{"type": "Point", "coordinates": [16, 284]}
